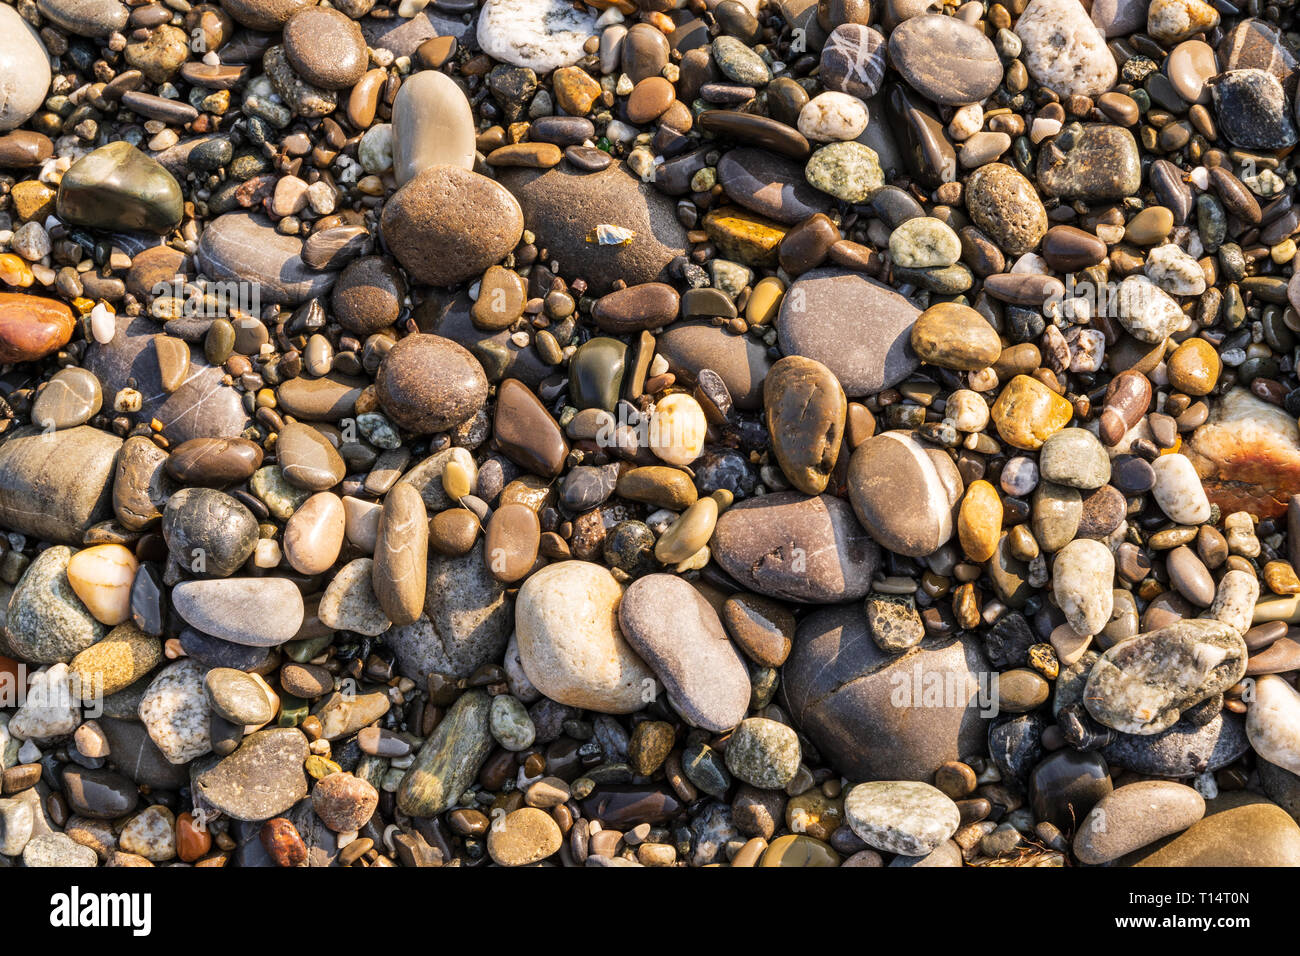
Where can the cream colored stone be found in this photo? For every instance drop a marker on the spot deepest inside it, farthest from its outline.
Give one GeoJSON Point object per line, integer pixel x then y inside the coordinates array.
{"type": "Point", "coordinates": [570, 645]}
{"type": "Point", "coordinates": [677, 429]}
{"type": "Point", "coordinates": [101, 577]}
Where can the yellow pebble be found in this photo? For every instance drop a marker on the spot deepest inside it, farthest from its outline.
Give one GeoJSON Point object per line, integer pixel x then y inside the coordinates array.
{"type": "Point", "coordinates": [455, 480]}
{"type": "Point", "coordinates": [764, 301]}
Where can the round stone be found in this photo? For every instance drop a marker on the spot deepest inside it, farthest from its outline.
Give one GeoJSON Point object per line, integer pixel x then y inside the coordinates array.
{"type": "Point", "coordinates": [954, 336]}
{"type": "Point", "coordinates": [898, 816]}
{"type": "Point", "coordinates": [325, 47]}
{"type": "Point", "coordinates": [448, 224]}
{"type": "Point", "coordinates": [763, 753]}
{"type": "Point", "coordinates": [429, 384]}
{"type": "Point", "coordinates": [570, 643]}
{"type": "Point", "coordinates": [945, 59]}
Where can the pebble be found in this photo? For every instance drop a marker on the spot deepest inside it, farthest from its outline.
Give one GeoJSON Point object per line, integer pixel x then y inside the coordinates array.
{"type": "Point", "coordinates": [788, 529]}
{"type": "Point", "coordinates": [261, 779]}
{"type": "Point", "coordinates": [174, 709]}
{"type": "Point", "coordinates": [433, 125]}
{"type": "Point", "coordinates": [953, 336]}
{"type": "Point", "coordinates": [677, 633]}
{"type": "Point", "coordinates": [1005, 205]}
{"type": "Point", "coordinates": [946, 60]}
{"type": "Point", "coordinates": [891, 466]}
{"type": "Point", "coordinates": [119, 187]}
{"type": "Point", "coordinates": [427, 383]}
{"type": "Point", "coordinates": [254, 612]}
{"type": "Point", "coordinates": [806, 411]}
{"type": "Point", "coordinates": [1144, 684]}
{"type": "Point", "coordinates": [23, 55]}
{"type": "Point", "coordinates": [570, 643]}
{"type": "Point", "coordinates": [426, 224]}
{"type": "Point", "coordinates": [540, 36]}
{"type": "Point", "coordinates": [1064, 50]}
{"type": "Point", "coordinates": [899, 816]}
{"type": "Point", "coordinates": [840, 689]}
{"type": "Point", "coordinates": [858, 328]}
{"type": "Point", "coordinates": [763, 753]}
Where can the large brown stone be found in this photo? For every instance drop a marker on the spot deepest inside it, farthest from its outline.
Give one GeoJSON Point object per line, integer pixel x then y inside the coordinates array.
{"type": "Point", "coordinates": [879, 716]}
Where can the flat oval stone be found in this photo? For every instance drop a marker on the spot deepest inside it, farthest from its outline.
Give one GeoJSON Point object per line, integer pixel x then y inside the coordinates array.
{"type": "Point", "coordinates": [900, 816]}
{"type": "Point", "coordinates": [1005, 205]}
{"type": "Point", "coordinates": [806, 409]}
{"type": "Point", "coordinates": [22, 54]}
{"type": "Point", "coordinates": [678, 634]}
{"type": "Point", "coordinates": [326, 399]}
{"type": "Point", "coordinates": [775, 545]}
{"type": "Point", "coordinates": [237, 697]}
{"type": "Point", "coordinates": [769, 184]}
{"type": "Point", "coordinates": [401, 555]}
{"type": "Point", "coordinates": [307, 458]}
{"type": "Point", "coordinates": [840, 689]}
{"type": "Point", "coordinates": [1074, 457]}
{"type": "Point", "coordinates": [257, 612]}
{"type": "Point", "coordinates": [325, 47]}
{"type": "Point", "coordinates": [208, 532]}
{"type": "Point", "coordinates": [570, 643]}
{"type": "Point", "coordinates": [892, 467]}
{"type": "Point", "coordinates": [739, 360]}
{"type": "Point", "coordinates": [645, 306]}
{"type": "Point", "coordinates": [368, 295]}
{"type": "Point", "coordinates": [853, 60]}
{"type": "Point", "coordinates": [432, 125]}
{"type": "Point", "coordinates": [564, 207]}
{"type": "Point", "coordinates": [69, 398]}
{"type": "Point", "coordinates": [511, 541]}
{"type": "Point", "coordinates": [526, 433]}
{"type": "Point", "coordinates": [1134, 816]}
{"type": "Point", "coordinates": [118, 187]}
{"type": "Point", "coordinates": [214, 462]}
{"type": "Point", "coordinates": [539, 34]}
{"type": "Point", "coordinates": [56, 486]}
{"type": "Point", "coordinates": [313, 535]}
{"type": "Point", "coordinates": [1144, 684]}
{"type": "Point", "coordinates": [955, 336]}
{"type": "Point", "coordinates": [32, 327]}
{"type": "Point", "coordinates": [945, 59]}
{"type": "Point", "coordinates": [427, 384]}
{"type": "Point", "coordinates": [858, 328]}
{"type": "Point", "coordinates": [261, 779]}
{"type": "Point", "coordinates": [239, 246]}
{"type": "Point", "coordinates": [448, 224]}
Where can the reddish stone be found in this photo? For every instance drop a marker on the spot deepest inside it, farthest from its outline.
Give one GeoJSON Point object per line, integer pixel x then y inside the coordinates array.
{"type": "Point", "coordinates": [192, 840]}
{"type": "Point", "coordinates": [31, 327]}
{"type": "Point", "coordinates": [1248, 455]}
{"type": "Point", "coordinates": [282, 842]}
